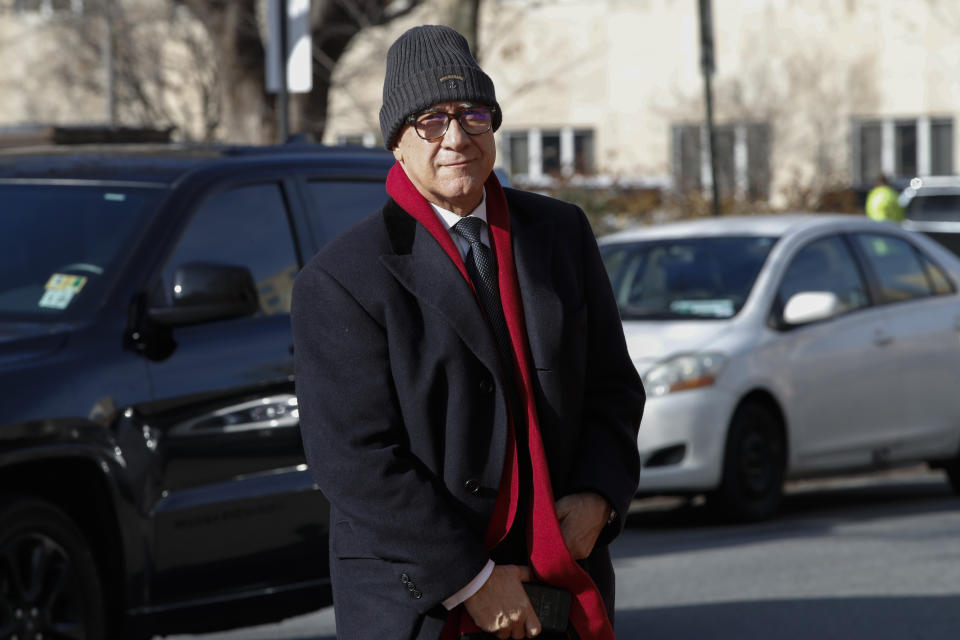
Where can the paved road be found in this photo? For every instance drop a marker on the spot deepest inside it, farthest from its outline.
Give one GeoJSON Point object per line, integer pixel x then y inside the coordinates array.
{"type": "Point", "coordinates": [874, 557]}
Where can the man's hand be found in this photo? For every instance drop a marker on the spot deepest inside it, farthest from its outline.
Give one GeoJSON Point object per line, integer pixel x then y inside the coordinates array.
{"type": "Point", "coordinates": [582, 517]}
{"type": "Point", "coordinates": [501, 606]}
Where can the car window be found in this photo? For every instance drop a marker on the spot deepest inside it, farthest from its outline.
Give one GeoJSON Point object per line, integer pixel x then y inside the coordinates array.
{"type": "Point", "coordinates": [246, 226]}
{"type": "Point", "coordinates": [60, 245]}
{"type": "Point", "coordinates": [826, 265]}
{"type": "Point", "coordinates": [944, 207]}
{"type": "Point", "coordinates": [708, 277]}
{"type": "Point", "coordinates": [339, 204]}
{"type": "Point", "coordinates": [938, 279]}
{"type": "Point", "coordinates": [897, 265]}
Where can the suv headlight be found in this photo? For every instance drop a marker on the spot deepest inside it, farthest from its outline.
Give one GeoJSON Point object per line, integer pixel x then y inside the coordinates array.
{"type": "Point", "coordinates": [686, 371]}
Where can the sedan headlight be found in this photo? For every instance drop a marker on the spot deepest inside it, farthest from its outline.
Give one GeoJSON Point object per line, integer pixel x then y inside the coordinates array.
{"type": "Point", "coordinates": [686, 371]}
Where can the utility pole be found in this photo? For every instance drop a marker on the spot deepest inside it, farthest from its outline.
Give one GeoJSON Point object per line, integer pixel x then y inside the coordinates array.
{"type": "Point", "coordinates": [708, 67]}
{"type": "Point", "coordinates": [109, 65]}
{"type": "Point", "coordinates": [283, 97]}
{"type": "Point", "coordinates": [289, 56]}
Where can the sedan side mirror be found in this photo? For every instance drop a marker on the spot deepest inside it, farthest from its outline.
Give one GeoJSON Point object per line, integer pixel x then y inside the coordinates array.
{"type": "Point", "coordinates": [203, 292]}
{"type": "Point", "coordinates": [810, 306]}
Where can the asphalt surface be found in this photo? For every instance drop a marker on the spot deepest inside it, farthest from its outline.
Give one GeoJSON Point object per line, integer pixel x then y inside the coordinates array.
{"type": "Point", "coordinates": [874, 557]}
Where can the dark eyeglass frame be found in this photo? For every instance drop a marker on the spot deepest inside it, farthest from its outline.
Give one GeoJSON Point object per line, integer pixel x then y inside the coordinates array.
{"type": "Point", "coordinates": [458, 116]}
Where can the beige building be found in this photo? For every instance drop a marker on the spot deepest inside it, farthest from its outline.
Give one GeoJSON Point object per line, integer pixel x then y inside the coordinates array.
{"type": "Point", "coordinates": [60, 57]}
{"type": "Point", "coordinates": [808, 94]}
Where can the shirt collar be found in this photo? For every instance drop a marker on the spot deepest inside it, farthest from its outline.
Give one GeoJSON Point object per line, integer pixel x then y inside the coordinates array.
{"type": "Point", "coordinates": [449, 218]}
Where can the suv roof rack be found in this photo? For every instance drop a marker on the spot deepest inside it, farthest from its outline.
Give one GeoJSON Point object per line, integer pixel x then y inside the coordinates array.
{"type": "Point", "coordinates": [297, 147]}
{"type": "Point", "coordinates": [40, 134]}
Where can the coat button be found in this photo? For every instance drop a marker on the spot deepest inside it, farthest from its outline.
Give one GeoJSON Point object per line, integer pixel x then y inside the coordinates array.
{"type": "Point", "coordinates": [486, 386]}
{"type": "Point", "coordinates": [472, 485]}
{"type": "Point", "coordinates": [416, 595]}
{"type": "Point", "coordinates": [404, 578]}
{"type": "Point", "coordinates": [411, 587]}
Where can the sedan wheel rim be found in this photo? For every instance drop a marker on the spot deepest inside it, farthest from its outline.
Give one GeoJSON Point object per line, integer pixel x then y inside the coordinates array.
{"type": "Point", "coordinates": [39, 596]}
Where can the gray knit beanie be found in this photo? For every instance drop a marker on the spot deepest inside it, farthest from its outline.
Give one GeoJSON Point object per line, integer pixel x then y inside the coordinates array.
{"type": "Point", "coordinates": [427, 65]}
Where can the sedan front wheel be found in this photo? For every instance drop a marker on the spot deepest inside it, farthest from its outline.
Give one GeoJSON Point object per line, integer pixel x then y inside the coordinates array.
{"type": "Point", "coordinates": [754, 466]}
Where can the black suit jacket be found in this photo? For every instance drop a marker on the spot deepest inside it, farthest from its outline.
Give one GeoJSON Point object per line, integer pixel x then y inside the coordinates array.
{"type": "Point", "coordinates": [404, 415]}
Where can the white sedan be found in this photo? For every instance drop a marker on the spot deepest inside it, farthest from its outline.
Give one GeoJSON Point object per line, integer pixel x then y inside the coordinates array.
{"type": "Point", "coordinates": [783, 346]}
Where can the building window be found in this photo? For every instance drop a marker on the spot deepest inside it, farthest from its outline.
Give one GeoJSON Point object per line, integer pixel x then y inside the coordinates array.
{"type": "Point", "coordinates": [519, 153]}
{"type": "Point", "coordinates": [941, 147]}
{"type": "Point", "coordinates": [550, 152]}
{"type": "Point", "coordinates": [905, 148]}
{"type": "Point", "coordinates": [357, 139]}
{"type": "Point", "coordinates": [686, 158]}
{"type": "Point", "coordinates": [758, 162]}
{"type": "Point", "coordinates": [870, 137]}
{"type": "Point", "coordinates": [724, 139]}
{"type": "Point", "coordinates": [47, 7]}
{"type": "Point", "coordinates": [901, 148]}
{"type": "Point", "coordinates": [539, 156]}
{"type": "Point", "coordinates": [742, 154]}
{"type": "Point", "coordinates": [583, 152]}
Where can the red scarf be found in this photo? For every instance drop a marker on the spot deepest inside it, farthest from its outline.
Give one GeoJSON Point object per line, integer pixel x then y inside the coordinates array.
{"type": "Point", "coordinates": [550, 561]}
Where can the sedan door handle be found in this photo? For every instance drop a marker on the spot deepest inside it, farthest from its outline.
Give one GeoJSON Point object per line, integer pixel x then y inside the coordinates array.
{"type": "Point", "coordinates": [881, 338]}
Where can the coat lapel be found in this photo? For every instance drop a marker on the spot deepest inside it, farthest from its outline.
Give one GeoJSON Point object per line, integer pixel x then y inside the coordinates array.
{"type": "Point", "coordinates": [533, 250]}
{"type": "Point", "coordinates": [425, 270]}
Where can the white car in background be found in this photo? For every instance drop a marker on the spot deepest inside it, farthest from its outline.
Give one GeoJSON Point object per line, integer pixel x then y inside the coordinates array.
{"type": "Point", "coordinates": [783, 346]}
{"type": "Point", "coordinates": [932, 206]}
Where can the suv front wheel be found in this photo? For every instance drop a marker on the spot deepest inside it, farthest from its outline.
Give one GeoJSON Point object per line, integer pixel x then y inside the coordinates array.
{"type": "Point", "coordinates": [49, 585]}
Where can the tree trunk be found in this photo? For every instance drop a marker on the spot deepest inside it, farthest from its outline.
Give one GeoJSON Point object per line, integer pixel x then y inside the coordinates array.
{"type": "Point", "coordinates": [463, 15]}
{"type": "Point", "coordinates": [334, 23]}
{"type": "Point", "coordinates": [248, 110]}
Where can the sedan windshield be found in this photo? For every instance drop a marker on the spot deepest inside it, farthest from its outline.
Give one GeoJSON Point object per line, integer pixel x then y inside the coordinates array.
{"type": "Point", "coordinates": [59, 244]}
{"type": "Point", "coordinates": [707, 277]}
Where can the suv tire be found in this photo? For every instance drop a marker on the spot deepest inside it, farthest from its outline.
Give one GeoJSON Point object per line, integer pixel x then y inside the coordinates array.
{"type": "Point", "coordinates": [49, 585]}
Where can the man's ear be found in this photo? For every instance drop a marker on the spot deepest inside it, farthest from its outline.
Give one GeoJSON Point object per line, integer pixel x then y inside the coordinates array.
{"type": "Point", "coordinates": [397, 154]}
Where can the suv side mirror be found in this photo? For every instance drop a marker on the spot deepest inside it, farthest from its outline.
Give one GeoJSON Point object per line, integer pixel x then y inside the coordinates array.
{"type": "Point", "coordinates": [810, 306]}
{"type": "Point", "coordinates": [203, 292]}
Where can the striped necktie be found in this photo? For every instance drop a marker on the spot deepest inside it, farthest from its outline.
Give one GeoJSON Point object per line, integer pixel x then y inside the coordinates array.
{"type": "Point", "coordinates": [482, 268]}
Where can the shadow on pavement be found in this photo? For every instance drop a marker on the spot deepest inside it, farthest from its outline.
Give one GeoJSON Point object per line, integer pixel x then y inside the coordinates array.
{"type": "Point", "coordinates": [877, 618]}
{"type": "Point", "coordinates": [808, 509]}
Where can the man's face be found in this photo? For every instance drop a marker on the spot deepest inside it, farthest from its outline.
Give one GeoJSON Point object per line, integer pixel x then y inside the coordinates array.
{"type": "Point", "coordinates": [449, 171]}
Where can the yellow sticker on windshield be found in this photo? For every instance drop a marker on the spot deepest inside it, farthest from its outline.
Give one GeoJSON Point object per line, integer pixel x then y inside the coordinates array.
{"type": "Point", "coordinates": [60, 289]}
{"type": "Point", "coordinates": [62, 281]}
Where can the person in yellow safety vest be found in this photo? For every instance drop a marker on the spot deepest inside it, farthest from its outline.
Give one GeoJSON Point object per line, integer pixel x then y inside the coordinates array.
{"type": "Point", "coordinates": [883, 203]}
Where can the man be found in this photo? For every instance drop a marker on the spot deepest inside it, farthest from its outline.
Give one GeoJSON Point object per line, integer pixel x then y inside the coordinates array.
{"type": "Point", "coordinates": [466, 399]}
{"type": "Point", "coordinates": [883, 202]}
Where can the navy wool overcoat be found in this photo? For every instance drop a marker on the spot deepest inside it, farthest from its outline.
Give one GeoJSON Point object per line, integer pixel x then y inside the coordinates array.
{"type": "Point", "coordinates": [404, 414]}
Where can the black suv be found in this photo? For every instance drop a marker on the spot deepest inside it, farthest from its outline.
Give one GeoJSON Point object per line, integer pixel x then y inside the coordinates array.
{"type": "Point", "coordinates": [152, 478]}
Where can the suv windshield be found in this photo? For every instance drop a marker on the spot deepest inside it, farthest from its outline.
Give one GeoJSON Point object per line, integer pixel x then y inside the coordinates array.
{"type": "Point", "coordinates": [698, 278]}
{"type": "Point", "coordinates": [59, 244]}
{"type": "Point", "coordinates": [940, 208]}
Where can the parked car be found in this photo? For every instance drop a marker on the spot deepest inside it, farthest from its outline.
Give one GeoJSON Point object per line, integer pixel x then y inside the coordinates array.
{"type": "Point", "coordinates": [932, 206]}
{"type": "Point", "coordinates": [784, 346]}
{"type": "Point", "coordinates": [152, 478]}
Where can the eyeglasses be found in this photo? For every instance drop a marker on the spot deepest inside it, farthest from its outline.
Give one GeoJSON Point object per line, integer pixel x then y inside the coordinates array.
{"type": "Point", "coordinates": [434, 124]}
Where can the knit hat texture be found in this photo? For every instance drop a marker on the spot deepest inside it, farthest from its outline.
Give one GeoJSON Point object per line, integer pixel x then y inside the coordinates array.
{"type": "Point", "coordinates": [427, 65]}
